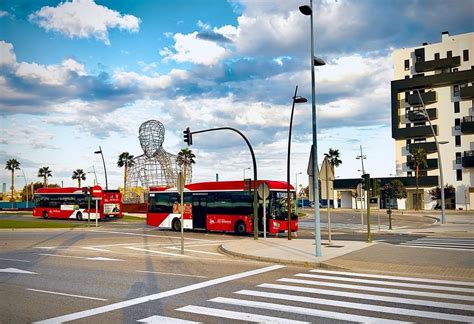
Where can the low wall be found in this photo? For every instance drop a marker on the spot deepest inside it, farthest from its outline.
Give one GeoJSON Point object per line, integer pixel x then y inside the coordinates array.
{"type": "Point", "coordinates": [134, 208]}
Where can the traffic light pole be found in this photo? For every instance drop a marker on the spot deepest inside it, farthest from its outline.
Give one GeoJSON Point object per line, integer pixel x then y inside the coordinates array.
{"type": "Point", "coordinates": [188, 139]}
{"type": "Point", "coordinates": [367, 189]}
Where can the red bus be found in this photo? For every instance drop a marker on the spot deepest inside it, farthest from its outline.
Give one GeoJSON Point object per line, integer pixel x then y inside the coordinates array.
{"type": "Point", "coordinates": [220, 206]}
{"type": "Point", "coordinates": [73, 203]}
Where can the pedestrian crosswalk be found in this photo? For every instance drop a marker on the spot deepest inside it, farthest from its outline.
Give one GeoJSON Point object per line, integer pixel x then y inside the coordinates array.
{"type": "Point", "coordinates": [442, 243]}
{"type": "Point", "coordinates": [355, 227]}
{"type": "Point", "coordinates": [323, 295]}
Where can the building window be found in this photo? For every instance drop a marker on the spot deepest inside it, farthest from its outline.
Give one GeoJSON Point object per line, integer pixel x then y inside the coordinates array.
{"type": "Point", "coordinates": [457, 140]}
{"type": "Point", "coordinates": [422, 173]}
{"type": "Point", "coordinates": [456, 90]}
{"type": "Point", "coordinates": [407, 65]}
{"type": "Point", "coordinates": [449, 54]}
{"type": "Point", "coordinates": [457, 123]}
{"type": "Point", "coordinates": [459, 175]}
{"type": "Point", "coordinates": [458, 158]}
{"type": "Point", "coordinates": [456, 107]}
{"type": "Point", "coordinates": [408, 141]}
{"type": "Point", "coordinates": [455, 70]}
{"type": "Point", "coordinates": [409, 174]}
{"type": "Point", "coordinates": [465, 55]}
{"type": "Point", "coordinates": [436, 57]}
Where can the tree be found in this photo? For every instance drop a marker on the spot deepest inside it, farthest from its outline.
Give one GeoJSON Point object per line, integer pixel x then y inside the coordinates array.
{"type": "Point", "coordinates": [398, 188]}
{"type": "Point", "coordinates": [184, 159]}
{"type": "Point", "coordinates": [435, 193]}
{"type": "Point", "coordinates": [333, 157]}
{"type": "Point", "coordinates": [417, 160]}
{"type": "Point", "coordinates": [126, 161]}
{"type": "Point", "coordinates": [79, 175]}
{"type": "Point", "coordinates": [390, 191]}
{"type": "Point", "coordinates": [45, 173]}
{"type": "Point", "coordinates": [12, 165]}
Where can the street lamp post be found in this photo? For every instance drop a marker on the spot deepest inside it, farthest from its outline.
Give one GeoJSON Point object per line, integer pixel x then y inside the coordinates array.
{"type": "Point", "coordinates": [105, 170]}
{"type": "Point", "coordinates": [26, 187]}
{"type": "Point", "coordinates": [308, 11]}
{"type": "Point", "coordinates": [296, 99]}
{"type": "Point", "coordinates": [243, 172]}
{"type": "Point", "coordinates": [296, 193]}
{"type": "Point", "coordinates": [443, 212]}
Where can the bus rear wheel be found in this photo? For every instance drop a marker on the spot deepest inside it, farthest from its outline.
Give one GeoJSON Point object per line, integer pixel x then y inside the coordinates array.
{"type": "Point", "coordinates": [240, 228]}
{"type": "Point", "coordinates": [45, 215]}
{"type": "Point", "coordinates": [79, 216]}
{"type": "Point", "coordinates": [176, 225]}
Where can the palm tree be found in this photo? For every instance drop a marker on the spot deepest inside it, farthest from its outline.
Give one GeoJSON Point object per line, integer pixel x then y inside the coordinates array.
{"type": "Point", "coordinates": [184, 159]}
{"type": "Point", "coordinates": [417, 159]}
{"type": "Point", "coordinates": [78, 175]}
{"type": "Point", "coordinates": [333, 157]}
{"type": "Point", "coordinates": [125, 160]}
{"type": "Point", "coordinates": [12, 165]}
{"type": "Point", "coordinates": [44, 173]}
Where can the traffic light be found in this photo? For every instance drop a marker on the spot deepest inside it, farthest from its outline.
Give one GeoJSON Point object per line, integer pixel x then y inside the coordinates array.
{"type": "Point", "coordinates": [188, 137]}
{"type": "Point", "coordinates": [366, 181]}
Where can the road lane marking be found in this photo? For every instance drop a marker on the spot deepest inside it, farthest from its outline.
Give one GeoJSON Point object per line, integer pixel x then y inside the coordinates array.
{"type": "Point", "coordinates": [155, 319]}
{"type": "Point", "coordinates": [161, 295]}
{"type": "Point", "coordinates": [15, 270]}
{"type": "Point", "coordinates": [156, 252]}
{"type": "Point", "coordinates": [433, 247]}
{"type": "Point", "coordinates": [172, 274]}
{"type": "Point", "coordinates": [149, 235]}
{"type": "Point", "coordinates": [385, 283]}
{"type": "Point", "coordinates": [195, 251]}
{"type": "Point", "coordinates": [302, 310]}
{"type": "Point", "coordinates": [364, 275]}
{"type": "Point", "coordinates": [378, 289]}
{"type": "Point", "coordinates": [95, 249]}
{"type": "Point", "coordinates": [359, 306]}
{"type": "Point", "coordinates": [399, 300]}
{"type": "Point", "coordinates": [82, 258]}
{"type": "Point", "coordinates": [64, 294]}
{"type": "Point", "coordinates": [15, 260]}
{"type": "Point", "coordinates": [236, 315]}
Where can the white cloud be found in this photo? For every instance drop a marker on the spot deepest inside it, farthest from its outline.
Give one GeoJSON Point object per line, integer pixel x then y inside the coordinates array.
{"type": "Point", "coordinates": [83, 19]}
{"type": "Point", "coordinates": [7, 55]}
{"type": "Point", "coordinates": [4, 14]}
{"type": "Point", "coordinates": [50, 74]}
{"type": "Point", "coordinates": [155, 82]}
{"type": "Point", "coordinates": [189, 48]}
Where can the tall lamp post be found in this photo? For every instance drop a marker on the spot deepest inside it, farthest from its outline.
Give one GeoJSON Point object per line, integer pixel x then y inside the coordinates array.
{"type": "Point", "coordinates": [296, 191]}
{"type": "Point", "coordinates": [296, 99]}
{"type": "Point", "coordinates": [26, 187]}
{"type": "Point", "coordinates": [308, 11]}
{"type": "Point", "coordinates": [243, 172]}
{"type": "Point", "coordinates": [443, 201]}
{"type": "Point", "coordinates": [105, 170]}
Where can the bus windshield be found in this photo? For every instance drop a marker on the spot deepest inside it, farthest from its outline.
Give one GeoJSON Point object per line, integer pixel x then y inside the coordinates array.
{"type": "Point", "coordinates": [280, 203]}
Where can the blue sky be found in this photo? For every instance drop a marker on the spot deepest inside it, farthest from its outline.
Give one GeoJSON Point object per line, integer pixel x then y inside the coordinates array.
{"type": "Point", "coordinates": [78, 74]}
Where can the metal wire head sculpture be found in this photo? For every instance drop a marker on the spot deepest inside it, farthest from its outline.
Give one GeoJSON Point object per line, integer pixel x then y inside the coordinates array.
{"type": "Point", "coordinates": [151, 136]}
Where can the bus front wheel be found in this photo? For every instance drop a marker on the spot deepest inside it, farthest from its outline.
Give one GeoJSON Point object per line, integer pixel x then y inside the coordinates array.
{"type": "Point", "coordinates": [176, 225]}
{"type": "Point", "coordinates": [45, 215]}
{"type": "Point", "coordinates": [240, 228]}
{"type": "Point", "coordinates": [79, 216]}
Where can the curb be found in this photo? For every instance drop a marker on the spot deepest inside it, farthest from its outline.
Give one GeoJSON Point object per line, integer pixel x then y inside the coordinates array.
{"type": "Point", "coordinates": [47, 229]}
{"type": "Point", "coordinates": [307, 264]}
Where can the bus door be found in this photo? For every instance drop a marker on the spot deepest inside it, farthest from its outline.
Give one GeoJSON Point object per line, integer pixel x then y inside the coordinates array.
{"type": "Point", "coordinates": [199, 212]}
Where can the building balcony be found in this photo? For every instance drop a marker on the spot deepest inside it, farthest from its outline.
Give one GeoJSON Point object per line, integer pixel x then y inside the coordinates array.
{"type": "Point", "coordinates": [419, 114]}
{"type": "Point", "coordinates": [428, 98]}
{"type": "Point", "coordinates": [467, 125]}
{"type": "Point", "coordinates": [466, 92]}
{"type": "Point", "coordinates": [431, 164]}
{"type": "Point", "coordinates": [438, 64]}
{"type": "Point", "coordinates": [468, 159]}
{"type": "Point", "coordinates": [429, 147]}
{"type": "Point", "coordinates": [413, 132]}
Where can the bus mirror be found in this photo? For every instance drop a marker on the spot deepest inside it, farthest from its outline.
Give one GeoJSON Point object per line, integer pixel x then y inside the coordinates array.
{"type": "Point", "coordinates": [248, 185]}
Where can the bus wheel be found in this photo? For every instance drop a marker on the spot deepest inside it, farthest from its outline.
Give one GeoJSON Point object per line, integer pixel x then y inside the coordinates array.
{"type": "Point", "coordinates": [45, 215]}
{"type": "Point", "coordinates": [176, 225]}
{"type": "Point", "coordinates": [240, 228]}
{"type": "Point", "coordinates": [79, 216]}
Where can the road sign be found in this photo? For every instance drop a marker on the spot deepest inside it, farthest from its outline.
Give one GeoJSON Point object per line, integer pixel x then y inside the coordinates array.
{"type": "Point", "coordinates": [180, 183]}
{"type": "Point", "coordinates": [263, 191]}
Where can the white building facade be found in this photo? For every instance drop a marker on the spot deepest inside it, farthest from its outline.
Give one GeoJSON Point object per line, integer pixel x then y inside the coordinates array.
{"type": "Point", "coordinates": [443, 73]}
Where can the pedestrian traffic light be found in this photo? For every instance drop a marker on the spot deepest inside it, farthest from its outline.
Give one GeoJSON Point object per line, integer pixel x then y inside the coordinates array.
{"type": "Point", "coordinates": [188, 137]}
{"type": "Point", "coordinates": [366, 181]}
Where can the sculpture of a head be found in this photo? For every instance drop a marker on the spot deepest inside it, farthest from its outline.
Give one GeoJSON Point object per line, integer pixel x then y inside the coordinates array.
{"type": "Point", "coordinates": [151, 136]}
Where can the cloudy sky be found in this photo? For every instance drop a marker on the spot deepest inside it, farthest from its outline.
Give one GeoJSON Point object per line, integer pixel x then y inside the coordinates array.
{"type": "Point", "coordinates": [78, 74]}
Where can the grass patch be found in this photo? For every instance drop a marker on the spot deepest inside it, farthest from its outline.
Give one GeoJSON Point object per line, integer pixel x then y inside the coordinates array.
{"type": "Point", "coordinates": [127, 218]}
{"type": "Point", "coordinates": [11, 223]}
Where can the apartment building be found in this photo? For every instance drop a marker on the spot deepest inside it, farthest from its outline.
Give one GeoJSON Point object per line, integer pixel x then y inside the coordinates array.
{"type": "Point", "coordinates": [442, 74]}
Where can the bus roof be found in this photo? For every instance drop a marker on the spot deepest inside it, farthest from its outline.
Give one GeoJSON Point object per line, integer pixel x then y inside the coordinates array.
{"type": "Point", "coordinates": [67, 190]}
{"type": "Point", "coordinates": [226, 186]}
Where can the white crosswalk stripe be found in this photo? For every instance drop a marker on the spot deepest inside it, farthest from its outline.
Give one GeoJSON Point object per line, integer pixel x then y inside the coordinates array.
{"type": "Point", "coordinates": [320, 295]}
{"type": "Point", "coordinates": [373, 227]}
{"type": "Point", "coordinates": [463, 244]}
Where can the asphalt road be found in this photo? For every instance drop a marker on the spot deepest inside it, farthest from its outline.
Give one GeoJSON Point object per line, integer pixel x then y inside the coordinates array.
{"type": "Point", "coordinates": [127, 273]}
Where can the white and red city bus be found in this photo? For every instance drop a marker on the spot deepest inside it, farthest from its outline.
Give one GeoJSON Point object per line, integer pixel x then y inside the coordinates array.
{"type": "Point", "coordinates": [220, 206]}
{"type": "Point", "coordinates": [73, 203]}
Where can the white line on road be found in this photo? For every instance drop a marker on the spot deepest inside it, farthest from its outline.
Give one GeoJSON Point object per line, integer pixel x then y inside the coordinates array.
{"type": "Point", "coordinates": [195, 251]}
{"type": "Point", "coordinates": [237, 315]}
{"type": "Point", "coordinates": [15, 260]}
{"type": "Point", "coordinates": [365, 275]}
{"type": "Point", "coordinates": [83, 258]}
{"type": "Point", "coordinates": [398, 300]}
{"type": "Point", "coordinates": [63, 294]}
{"type": "Point", "coordinates": [95, 249]}
{"type": "Point", "coordinates": [366, 307]}
{"type": "Point", "coordinates": [15, 270]}
{"type": "Point", "coordinates": [432, 247]}
{"type": "Point", "coordinates": [156, 252]}
{"type": "Point", "coordinates": [302, 310]}
{"type": "Point", "coordinates": [385, 283]}
{"type": "Point", "coordinates": [378, 289]}
{"type": "Point", "coordinates": [144, 299]}
{"type": "Point", "coordinates": [155, 319]}
{"type": "Point", "coordinates": [171, 274]}
{"type": "Point", "coordinates": [149, 235]}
